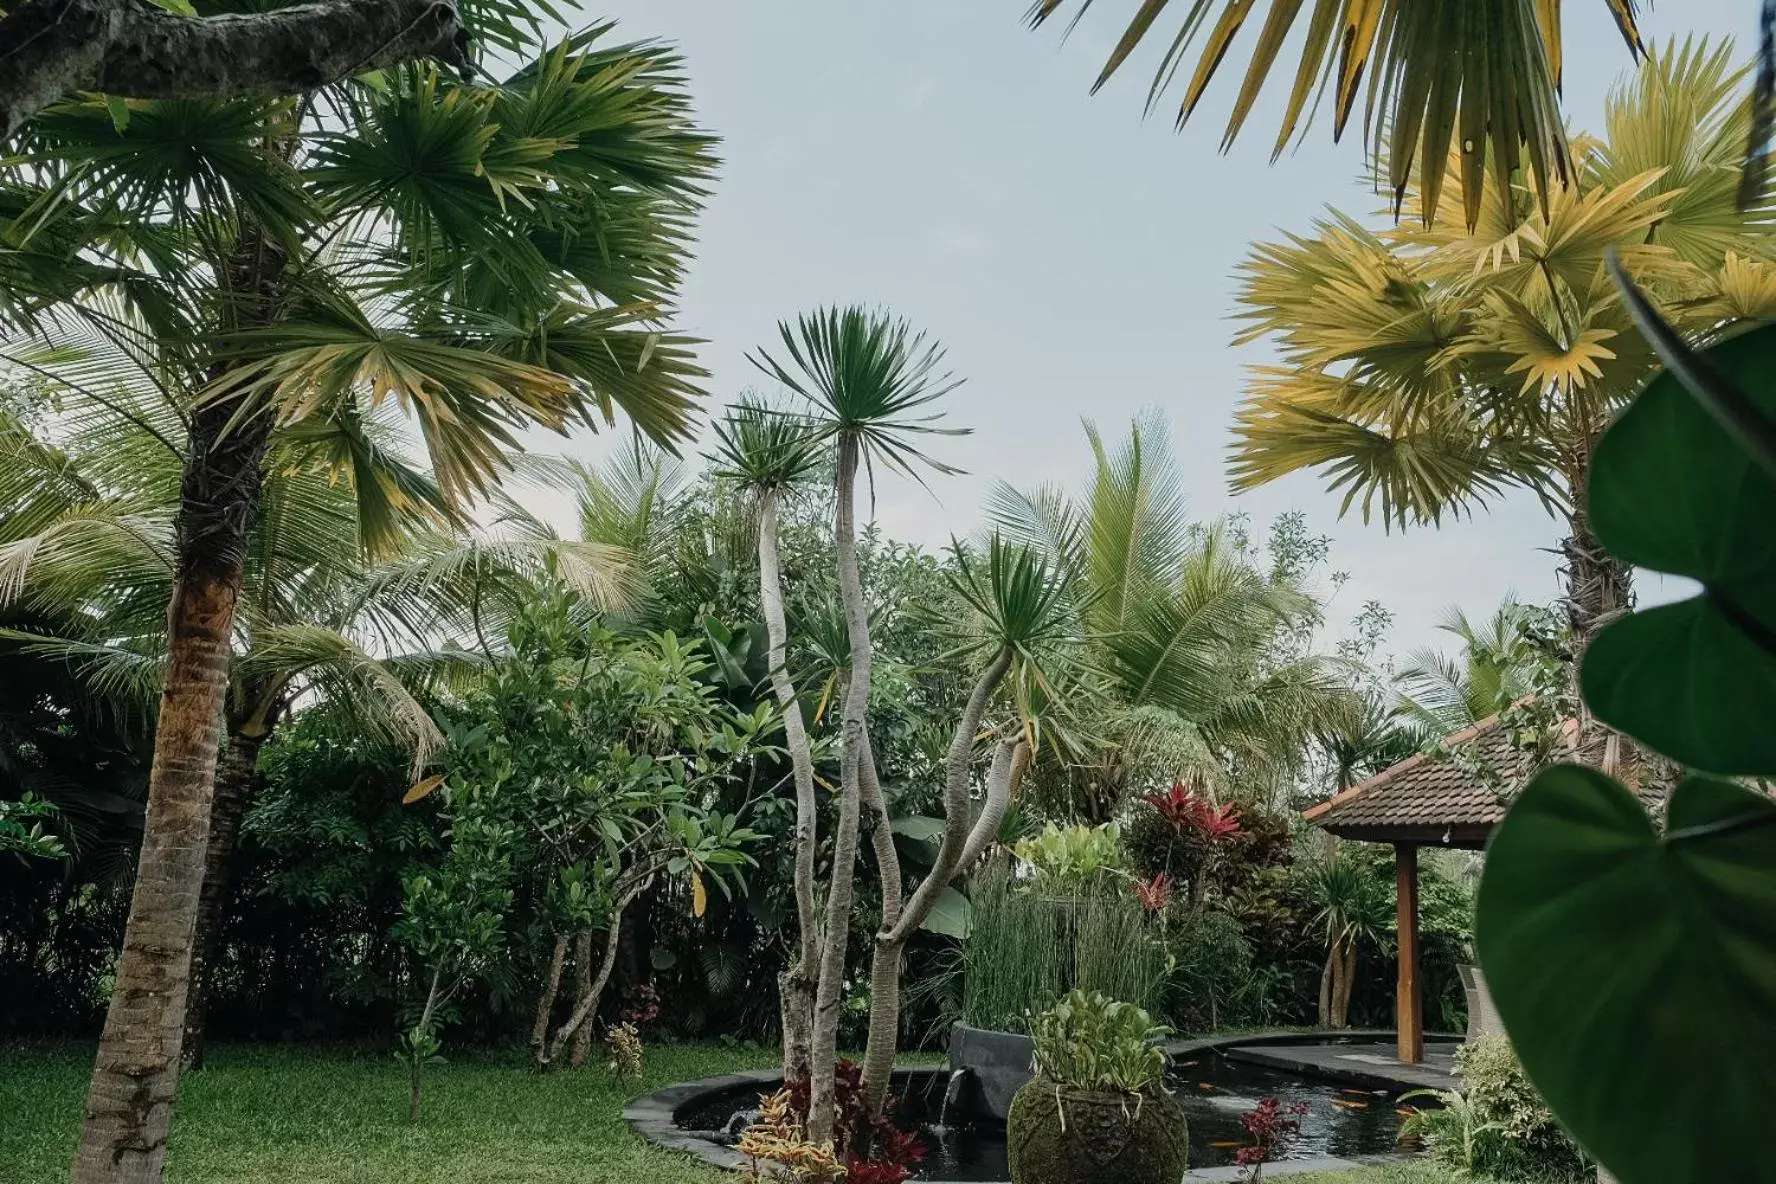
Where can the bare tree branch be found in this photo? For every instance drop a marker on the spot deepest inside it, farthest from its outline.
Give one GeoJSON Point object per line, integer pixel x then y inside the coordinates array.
{"type": "Point", "coordinates": [132, 49]}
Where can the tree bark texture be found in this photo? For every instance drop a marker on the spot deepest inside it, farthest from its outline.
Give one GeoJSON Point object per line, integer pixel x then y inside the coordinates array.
{"type": "Point", "coordinates": [1599, 589]}
{"type": "Point", "coordinates": [962, 837]}
{"type": "Point", "coordinates": [580, 1051]}
{"type": "Point", "coordinates": [133, 49]}
{"type": "Point", "coordinates": [853, 734]}
{"type": "Point", "coordinates": [129, 1105]}
{"type": "Point", "coordinates": [796, 985]}
{"type": "Point", "coordinates": [539, 1027]}
{"type": "Point", "coordinates": [237, 779]}
{"type": "Point", "coordinates": [587, 1003]}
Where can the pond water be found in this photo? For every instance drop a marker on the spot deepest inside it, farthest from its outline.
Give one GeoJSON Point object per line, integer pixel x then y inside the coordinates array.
{"type": "Point", "coordinates": [1342, 1121]}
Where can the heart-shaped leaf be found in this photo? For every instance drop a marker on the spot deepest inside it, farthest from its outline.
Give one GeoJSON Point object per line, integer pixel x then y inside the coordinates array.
{"type": "Point", "coordinates": [1636, 973]}
{"type": "Point", "coordinates": [1672, 490]}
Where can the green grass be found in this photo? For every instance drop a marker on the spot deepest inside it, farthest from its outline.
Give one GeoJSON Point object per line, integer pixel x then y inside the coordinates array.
{"type": "Point", "coordinates": [298, 1116]}
{"type": "Point", "coordinates": [1412, 1173]}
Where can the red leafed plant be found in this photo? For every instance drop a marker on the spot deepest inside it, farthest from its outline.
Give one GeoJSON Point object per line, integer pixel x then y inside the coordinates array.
{"type": "Point", "coordinates": [875, 1150]}
{"type": "Point", "coordinates": [1195, 815]}
{"type": "Point", "coordinates": [1155, 893]}
{"type": "Point", "coordinates": [1273, 1128]}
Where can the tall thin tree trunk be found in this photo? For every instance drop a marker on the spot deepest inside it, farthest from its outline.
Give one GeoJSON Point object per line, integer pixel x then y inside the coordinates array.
{"type": "Point", "coordinates": [1326, 974]}
{"type": "Point", "coordinates": [539, 1026]}
{"type": "Point", "coordinates": [129, 1105]}
{"type": "Point", "coordinates": [587, 1004]}
{"type": "Point", "coordinates": [1599, 588]}
{"type": "Point", "coordinates": [237, 779]}
{"type": "Point", "coordinates": [581, 1050]}
{"type": "Point", "coordinates": [828, 994]}
{"type": "Point", "coordinates": [796, 985]}
{"type": "Point", "coordinates": [136, 1072]}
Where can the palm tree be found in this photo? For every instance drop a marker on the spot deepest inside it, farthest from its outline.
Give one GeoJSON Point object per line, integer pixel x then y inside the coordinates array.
{"type": "Point", "coordinates": [485, 258]}
{"type": "Point", "coordinates": [96, 506]}
{"type": "Point", "coordinates": [1500, 663]}
{"type": "Point", "coordinates": [1183, 631]}
{"type": "Point", "coordinates": [772, 455]}
{"type": "Point", "coordinates": [1428, 371]}
{"type": "Point", "coordinates": [869, 378]}
{"type": "Point", "coordinates": [1489, 69]}
{"type": "Point", "coordinates": [1354, 908]}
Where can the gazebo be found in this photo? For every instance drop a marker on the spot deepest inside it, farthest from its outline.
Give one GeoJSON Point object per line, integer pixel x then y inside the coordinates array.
{"type": "Point", "coordinates": [1424, 801]}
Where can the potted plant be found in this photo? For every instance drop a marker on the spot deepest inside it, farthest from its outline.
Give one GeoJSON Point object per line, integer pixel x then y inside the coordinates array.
{"type": "Point", "coordinates": [1097, 1110]}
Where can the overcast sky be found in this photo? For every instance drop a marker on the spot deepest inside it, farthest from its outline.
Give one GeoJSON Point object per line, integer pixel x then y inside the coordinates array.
{"type": "Point", "coordinates": [939, 158]}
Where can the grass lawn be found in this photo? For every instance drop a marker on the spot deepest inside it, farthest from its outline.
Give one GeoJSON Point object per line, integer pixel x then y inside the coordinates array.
{"type": "Point", "coordinates": [305, 1116]}
{"type": "Point", "coordinates": [296, 1116]}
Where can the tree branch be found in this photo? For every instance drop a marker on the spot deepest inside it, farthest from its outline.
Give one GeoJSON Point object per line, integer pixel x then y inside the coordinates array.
{"type": "Point", "coordinates": [132, 49]}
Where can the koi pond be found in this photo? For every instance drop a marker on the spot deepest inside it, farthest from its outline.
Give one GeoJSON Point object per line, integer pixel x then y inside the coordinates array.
{"type": "Point", "coordinates": [1341, 1121]}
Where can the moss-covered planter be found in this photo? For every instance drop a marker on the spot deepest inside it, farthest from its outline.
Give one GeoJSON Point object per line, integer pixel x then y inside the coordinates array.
{"type": "Point", "coordinates": [1070, 1136]}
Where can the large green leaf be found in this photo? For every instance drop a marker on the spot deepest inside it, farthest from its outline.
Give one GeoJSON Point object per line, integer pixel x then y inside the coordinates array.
{"type": "Point", "coordinates": [1637, 973]}
{"type": "Point", "coordinates": [949, 915]}
{"type": "Point", "coordinates": [1671, 490]}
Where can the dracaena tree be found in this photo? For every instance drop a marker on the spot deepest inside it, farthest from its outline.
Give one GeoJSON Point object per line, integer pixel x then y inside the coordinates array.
{"type": "Point", "coordinates": [485, 258]}
{"type": "Point", "coordinates": [1474, 76]}
{"type": "Point", "coordinates": [1427, 371]}
{"type": "Point", "coordinates": [870, 381]}
{"type": "Point", "coordinates": [773, 455]}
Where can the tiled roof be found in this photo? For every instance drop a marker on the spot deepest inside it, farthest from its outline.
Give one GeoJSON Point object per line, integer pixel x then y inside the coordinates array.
{"type": "Point", "coordinates": [1427, 798]}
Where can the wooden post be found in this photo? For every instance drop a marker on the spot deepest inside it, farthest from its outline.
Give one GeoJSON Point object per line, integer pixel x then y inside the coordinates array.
{"type": "Point", "coordinates": [1408, 1006]}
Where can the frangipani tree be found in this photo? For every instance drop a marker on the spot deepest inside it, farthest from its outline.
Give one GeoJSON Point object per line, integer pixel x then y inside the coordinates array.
{"type": "Point", "coordinates": [485, 258]}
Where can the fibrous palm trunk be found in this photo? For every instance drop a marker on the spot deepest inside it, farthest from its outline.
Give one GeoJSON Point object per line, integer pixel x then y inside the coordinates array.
{"type": "Point", "coordinates": [1599, 588]}
{"type": "Point", "coordinates": [796, 985]}
{"type": "Point", "coordinates": [237, 777]}
{"type": "Point", "coordinates": [829, 989]}
{"type": "Point", "coordinates": [129, 1105]}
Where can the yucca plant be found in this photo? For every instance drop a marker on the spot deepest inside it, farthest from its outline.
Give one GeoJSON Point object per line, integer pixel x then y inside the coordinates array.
{"type": "Point", "coordinates": [1479, 78]}
{"type": "Point", "coordinates": [870, 381]}
{"type": "Point", "coordinates": [485, 258]}
{"type": "Point", "coordinates": [1428, 371]}
{"type": "Point", "coordinates": [773, 455]}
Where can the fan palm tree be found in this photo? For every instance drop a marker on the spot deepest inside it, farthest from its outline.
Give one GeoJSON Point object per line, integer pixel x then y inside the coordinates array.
{"type": "Point", "coordinates": [1183, 631]}
{"type": "Point", "coordinates": [870, 380]}
{"type": "Point", "coordinates": [1428, 371]}
{"type": "Point", "coordinates": [772, 456]}
{"type": "Point", "coordinates": [485, 258]}
{"type": "Point", "coordinates": [1488, 69]}
{"type": "Point", "coordinates": [1499, 664]}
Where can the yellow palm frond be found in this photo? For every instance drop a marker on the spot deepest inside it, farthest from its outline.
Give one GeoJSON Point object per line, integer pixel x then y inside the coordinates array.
{"type": "Point", "coordinates": [1438, 74]}
{"type": "Point", "coordinates": [1742, 290]}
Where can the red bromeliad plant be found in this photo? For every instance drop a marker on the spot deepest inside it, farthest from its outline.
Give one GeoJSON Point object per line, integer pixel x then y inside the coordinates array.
{"type": "Point", "coordinates": [1154, 894]}
{"type": "Point", "coordinates": [875, 1151]}
{"type": "Point", "coordinates": [1273, 1128]}
{"type": "Point", "coordinates": [1196, 816]}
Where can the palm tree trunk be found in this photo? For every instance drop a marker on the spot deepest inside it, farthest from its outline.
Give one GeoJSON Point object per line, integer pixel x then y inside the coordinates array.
{"type": "Point", "coordinates": [823, 1054]}
{"type": "Point", "coordinates": [1346, 984]}
{"type": "Point", "coordinates": [796, 985]}
{"type": "Point", "coordinates": [129, 1105]}
{"type": "Point", "coordinates": [1599, 588]}
{"type": "Point", "coordinates": [1326, 973]}
{"type": "Point", "coordinates": [237, 777]}
{"type": "Point", "coordinates": [581, 1050]}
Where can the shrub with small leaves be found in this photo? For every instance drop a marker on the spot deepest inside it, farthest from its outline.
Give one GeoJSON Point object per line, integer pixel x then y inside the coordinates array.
{"type": "Point", "coordinates": [623, 1046]}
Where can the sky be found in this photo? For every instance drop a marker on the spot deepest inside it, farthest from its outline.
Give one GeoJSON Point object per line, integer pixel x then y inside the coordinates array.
{"type": "Point", "coordinates": [939, 158]}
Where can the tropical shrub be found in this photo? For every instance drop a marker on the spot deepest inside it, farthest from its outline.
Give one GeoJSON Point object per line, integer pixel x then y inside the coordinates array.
{"type": "Point", "coordinates": [1073, 858]}
{"type": "Point", "coordinates": [1497, 1125]}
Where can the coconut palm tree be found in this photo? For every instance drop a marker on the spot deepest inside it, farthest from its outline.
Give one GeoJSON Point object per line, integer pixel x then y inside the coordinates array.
{"type": "Point", "coordinates": [484, 258]}
{"type": "Point", "coordinates": [1427, 371]}
{"type": "Point", "coordinates": [1183, 631]}
{"type": "Point", "coordinates": [870, 380]}
{"type": "Point", "coordinates": [1488, 69]}
{"type": "Point", "coordinates": [772, 456]}
{"type": "Point", "coordinates": [1500, 662]}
